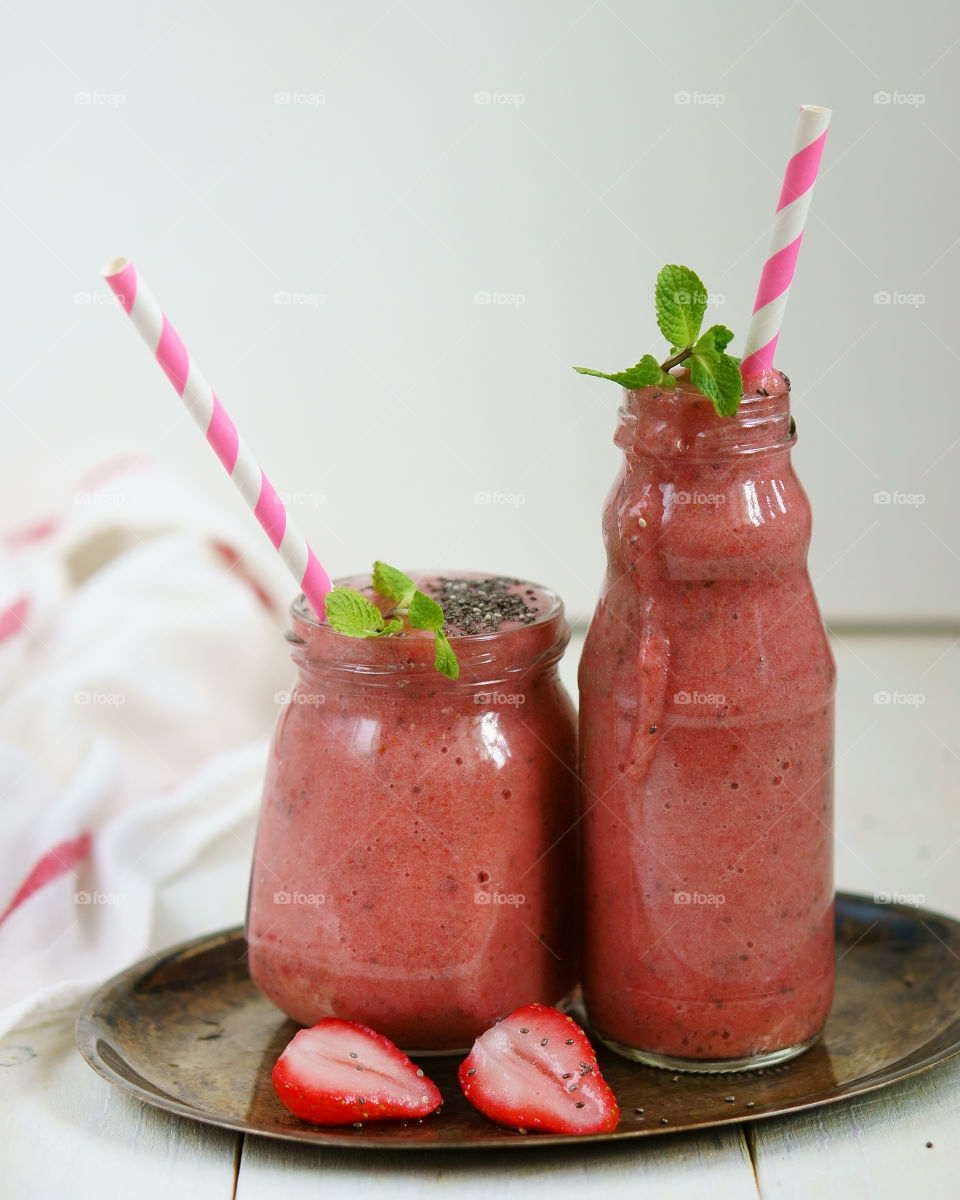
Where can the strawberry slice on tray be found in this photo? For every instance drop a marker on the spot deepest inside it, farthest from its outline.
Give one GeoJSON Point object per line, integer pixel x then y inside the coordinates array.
{"type": "Point", "coordinates": [341, 1073]}
{"type": "Point", "coordinates": [536, 1070]}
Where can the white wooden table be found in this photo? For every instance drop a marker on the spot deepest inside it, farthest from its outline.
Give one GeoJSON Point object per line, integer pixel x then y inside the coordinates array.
{"type": "Point", "coordinates": [65, 1132]}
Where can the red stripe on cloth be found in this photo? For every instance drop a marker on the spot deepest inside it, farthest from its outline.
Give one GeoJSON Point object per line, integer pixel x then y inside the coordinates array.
{"type": "Point", "coordinates": [56, 862]}
{"type": "Point", "coordinates": [30, 533]}
{"type": "Point", "coordinates": [13, 619]}
{"type": "Point", "coordinates": [234, 562]}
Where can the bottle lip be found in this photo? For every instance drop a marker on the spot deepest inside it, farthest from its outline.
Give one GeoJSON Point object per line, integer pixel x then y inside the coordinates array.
{"type": "Point", "coordinates": [483, 657]}
{"type": "Point", "coordinates": [682, 423]}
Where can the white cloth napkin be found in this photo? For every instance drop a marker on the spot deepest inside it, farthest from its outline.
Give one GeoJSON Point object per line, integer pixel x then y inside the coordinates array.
{"type": "Point", "coordinates": [141, 662]}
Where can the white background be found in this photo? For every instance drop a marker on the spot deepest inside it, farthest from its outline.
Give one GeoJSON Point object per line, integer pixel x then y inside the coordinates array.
{"type": "Point", "coordinates": [382, 197]}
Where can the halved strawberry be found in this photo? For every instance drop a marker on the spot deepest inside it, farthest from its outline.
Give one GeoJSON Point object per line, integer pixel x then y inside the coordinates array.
{"type": "Point", "coordinates": [536, 1070]}
{"type": "Point", "coordinates": [339, 1073]}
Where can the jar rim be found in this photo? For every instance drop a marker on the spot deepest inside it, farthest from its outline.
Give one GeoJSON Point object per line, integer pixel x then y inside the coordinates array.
{"type": "Point", "coordinates": [301, 611]}
{"type": "Point", "coordinates": [490, 656]}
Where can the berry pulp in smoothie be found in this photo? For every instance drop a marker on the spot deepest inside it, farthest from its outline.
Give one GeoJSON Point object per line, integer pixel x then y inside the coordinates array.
{"type": "Point", "coordinates": [706, 722]}
{"type": "Point", "coordinates": [416, 854]}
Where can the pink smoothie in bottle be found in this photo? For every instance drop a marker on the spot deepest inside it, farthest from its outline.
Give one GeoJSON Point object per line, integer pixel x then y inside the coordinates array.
{"type": "Point", "coordinates": [415, 864]}
{"type": "Point", "coordinates": [706, 718]}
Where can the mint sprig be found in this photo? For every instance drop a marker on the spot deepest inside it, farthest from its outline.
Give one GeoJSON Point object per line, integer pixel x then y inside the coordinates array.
{"type": "Point", "coordinates": [351, 613]}
{"type": "Point", "coordinates": [681, 301]}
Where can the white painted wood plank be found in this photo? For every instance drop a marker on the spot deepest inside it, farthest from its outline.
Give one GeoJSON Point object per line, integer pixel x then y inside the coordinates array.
{"type": "Point", "coordinates": [871, 1148]}
{"type": "Point", "coordinates": [67, 1132]}
{"type": "Point", "coordinates": [676, 1167]}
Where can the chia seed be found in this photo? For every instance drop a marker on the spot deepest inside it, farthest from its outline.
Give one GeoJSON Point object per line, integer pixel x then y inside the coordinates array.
{"type": "Point", "coordinates": [481, 605]}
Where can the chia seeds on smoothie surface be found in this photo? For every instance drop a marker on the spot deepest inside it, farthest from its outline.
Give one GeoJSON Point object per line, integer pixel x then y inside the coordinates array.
{"type": "Point", "coordinates": [482, 605]}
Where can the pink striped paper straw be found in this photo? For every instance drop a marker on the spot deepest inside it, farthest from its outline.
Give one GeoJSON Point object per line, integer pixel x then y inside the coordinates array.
{"type": "Point", "coordinates": [781, 262]}
{"type": "Point", "coordinates": [165, 344]}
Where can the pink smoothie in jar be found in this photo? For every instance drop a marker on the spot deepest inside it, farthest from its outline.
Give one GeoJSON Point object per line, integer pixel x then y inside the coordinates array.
{"type": "Point", "coordinates": [416, 858]}
{"type": "Point", "coordinates": [706, 720]}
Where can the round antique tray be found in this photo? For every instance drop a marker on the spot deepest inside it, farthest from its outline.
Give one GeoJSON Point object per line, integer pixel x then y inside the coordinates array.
{"type": "Point", "coordinates": [187, 1031]}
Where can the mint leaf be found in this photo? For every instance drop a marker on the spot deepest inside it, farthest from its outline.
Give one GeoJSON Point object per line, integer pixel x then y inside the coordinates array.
{"type": "Point", "coordinates": [393, 584]}
{"type": "Point", "coordinates": [646, 372]}
{"type": "Point", "coordinates": [424, 612]}
{"type": "Point", "coordinates": [445, 660]}
{"type": "Point", "coordinates": [721, 335]}
{"type": "Point", "coordinates": [717, 375]}
{"type": "Point", "coordinates": [681, 302]}
{"type": "Point", "coordinates": [351, 613]}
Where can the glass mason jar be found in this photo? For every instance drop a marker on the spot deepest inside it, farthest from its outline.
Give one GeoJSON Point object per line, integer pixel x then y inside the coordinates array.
{"type": "Point", "coordinates": [706, 743]}
{"type": "Point", "coordinates": [416, 854]}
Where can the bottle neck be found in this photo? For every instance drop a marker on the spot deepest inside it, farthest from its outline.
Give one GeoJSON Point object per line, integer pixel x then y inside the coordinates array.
{"type": "Point", "coordinates": [684, 424]}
